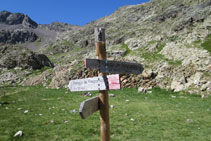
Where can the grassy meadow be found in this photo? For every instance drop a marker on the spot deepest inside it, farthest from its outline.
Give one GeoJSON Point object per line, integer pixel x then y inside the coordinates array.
{"type": "Point", "coordinates": [49, 115]}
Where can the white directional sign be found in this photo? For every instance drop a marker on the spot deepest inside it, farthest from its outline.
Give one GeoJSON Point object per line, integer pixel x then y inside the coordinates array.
{"type": "Point", "coordinates": [107, 66]}
{"type": "Point", "coordinates": [95, 83]}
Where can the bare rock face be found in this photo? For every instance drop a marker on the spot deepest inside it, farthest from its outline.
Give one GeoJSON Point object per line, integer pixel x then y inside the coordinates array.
{"type": "Point", "coordinates": [17, 36]}
{"type": "Point", "coordinates": [16, 18]}
{"type": "Point", "coordinates": [188, 56]}
{"type": "Point", "coordinates": [57, 26]}
{"type": "Point", "coordinates": [171, 12]}
{"type": "Point", "coordinates": [17, 28]}
{"type": "Point", "coordinates": [14, 56]}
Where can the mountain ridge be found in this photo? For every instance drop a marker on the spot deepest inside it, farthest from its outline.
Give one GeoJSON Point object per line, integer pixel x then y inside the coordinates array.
{"type": "Point", "coordinates": [170, 38]}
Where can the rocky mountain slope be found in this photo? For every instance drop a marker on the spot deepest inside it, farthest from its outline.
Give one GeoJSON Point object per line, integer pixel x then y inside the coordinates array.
{"type": "Point", "coordinates": [171, 38]}
{"type": "Point", "coordinates": [19, 28]}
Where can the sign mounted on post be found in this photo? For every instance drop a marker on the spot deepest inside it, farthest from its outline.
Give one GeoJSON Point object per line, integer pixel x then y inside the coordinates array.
{"type": "Point", "coordinates": [107, 66]}
{"type": "Point", "coordinates": [114, 82]}
{"type": "Point", "coordinates": [102, 83]}
{"type": "Point", "coordinates": [111, 82]}
{"type": "Point", "coordinates": [89, 106]}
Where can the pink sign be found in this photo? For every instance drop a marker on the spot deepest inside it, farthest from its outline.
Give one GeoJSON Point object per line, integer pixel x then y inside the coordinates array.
{"type": "Point", "coordinates": [114, 82]}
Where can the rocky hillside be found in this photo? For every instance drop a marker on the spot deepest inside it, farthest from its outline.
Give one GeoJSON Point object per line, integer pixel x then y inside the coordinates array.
{"type": "Point", "coordinates": [19, 28]}
{"type": "Point", "coordinates": [171, 38]}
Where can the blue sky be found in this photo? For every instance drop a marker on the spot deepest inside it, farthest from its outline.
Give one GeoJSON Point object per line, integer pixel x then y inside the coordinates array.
{"type": "Point", "coordinates": [72, 12]}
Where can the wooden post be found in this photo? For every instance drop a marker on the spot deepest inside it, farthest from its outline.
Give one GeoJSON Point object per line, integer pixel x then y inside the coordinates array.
{"type": "Point", "coordinates": [103, 97]}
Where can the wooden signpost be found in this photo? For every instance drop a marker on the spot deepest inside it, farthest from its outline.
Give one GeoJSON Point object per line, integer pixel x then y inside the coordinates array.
{"type": "Point", "coordinates": [103, 83]}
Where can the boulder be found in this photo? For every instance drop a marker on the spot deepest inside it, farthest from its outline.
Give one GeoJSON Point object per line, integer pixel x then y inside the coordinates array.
{"type": "Point", "coordinates": [206, 86]}
{"type": "Point", "coordinates": [178, 83]}
{"type": "Point", "coordinates": [38, 61]}
{"type": "Point", "coordinates": [141, 90]}
{"type": "Point", "coordinates": [84, 43]}
{"type": "Point", "coordinates": [194, 79]}
{"type": "Point", "coordinates": [149, 74]}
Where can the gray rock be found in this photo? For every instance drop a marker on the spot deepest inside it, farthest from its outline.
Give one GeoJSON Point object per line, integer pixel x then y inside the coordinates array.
{"type": "Point", "coordinates": [171, 12]}
{"type": "Point", "coordinates": [57, 26]}
{"type": "Point", "coordinates": [134, 43]}
{"type": "Point", "coordinates": [112, 95]}
{"type": "Point", "coordinates": [17, 36]}
{"type": "Point", "coordinates": [116, 51]}
{"type": "Point", "coordinates": [149, 92]}
{"type": "Point", "coordinates": [189, 120]}
{"type": "Point", "coordinates": [16, 18]}
{"type": "Point", "coordinates": [178, 84]}
{"type": "Point", "coordinates": [84, 43]}
{"type": "Point", "coordinates": [206, 86]}
{"type": "Point", "coordinates": [141, 90]}
{"type": "Point", "coordinates": [111, 106]}
{"type": "Point", "coordinates": [152, 47]}
{"type": "Point", "coordinates": [16, 56]}
{"type": "Point", "coordinates": [194, 79]}
{"type": "Point", "coordinates": [118, 41]}
{"type": "Point", "coordinates": [8, 77]}
{"type": "Point", "coordinates": [188, 56]}
{"type": "Point", "coordinates": [38, 61]}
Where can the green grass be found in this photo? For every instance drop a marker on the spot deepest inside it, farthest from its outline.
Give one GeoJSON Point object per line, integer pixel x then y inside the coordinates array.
{"type": "Point", "coordinates": [207, 44]}
{"type": "Point", "coordinates": [154, 56]}
{"type": "Point", "coordinates": [158, 116]}
{"type": "Point", "coordinates": [67, 43]}
{"type": "Point", "coordinates": [38, 42]}
{"type": "Point", "coordinates": [37, 72]}
{"type": "Point", "coordinates": [149, 56]}
{"type": "Point", "coordinates": [75, 54]}
{"type": "Point", "coordinates": [124, 46]}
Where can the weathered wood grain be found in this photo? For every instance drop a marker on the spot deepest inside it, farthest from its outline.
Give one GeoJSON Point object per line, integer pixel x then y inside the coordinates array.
{"type": "Point", "coordinates": [88, 107]}
{"type": "Point", "coordinates": [119, 67]}
{"type": "Point", "coordinates": [103, 96]}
